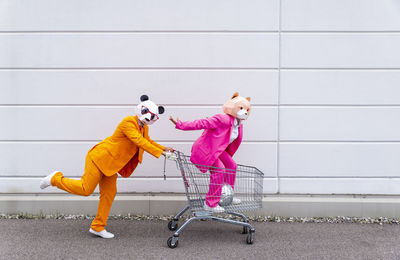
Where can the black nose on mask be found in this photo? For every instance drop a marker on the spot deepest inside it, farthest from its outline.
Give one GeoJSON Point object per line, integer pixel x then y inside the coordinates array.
{"type": "Point", "coordinates": [148, 120]}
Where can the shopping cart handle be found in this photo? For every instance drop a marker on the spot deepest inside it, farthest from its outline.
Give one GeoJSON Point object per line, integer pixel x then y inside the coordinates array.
{"type": "Point", "coordinates": [170, 156]}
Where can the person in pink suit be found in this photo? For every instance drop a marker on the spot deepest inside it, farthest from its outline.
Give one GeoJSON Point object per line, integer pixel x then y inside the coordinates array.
{"type": "Point", "coordinates": [215, 147]}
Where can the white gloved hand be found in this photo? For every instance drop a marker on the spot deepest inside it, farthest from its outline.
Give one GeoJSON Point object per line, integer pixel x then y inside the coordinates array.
{"type": "Point", "coordinates": [170, 156]}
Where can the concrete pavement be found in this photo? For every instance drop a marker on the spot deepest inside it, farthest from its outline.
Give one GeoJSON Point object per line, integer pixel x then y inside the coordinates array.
{"type": "Point", "coordinates": [141, 239]}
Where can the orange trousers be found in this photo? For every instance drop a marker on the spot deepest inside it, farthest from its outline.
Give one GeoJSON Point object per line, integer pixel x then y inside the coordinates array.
{"type": "Point", "coordinates": [86, 185]}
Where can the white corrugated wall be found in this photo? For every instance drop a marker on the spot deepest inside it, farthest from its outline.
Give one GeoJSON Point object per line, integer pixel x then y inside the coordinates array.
{"type": "Point", "coordinates": [324, 77]}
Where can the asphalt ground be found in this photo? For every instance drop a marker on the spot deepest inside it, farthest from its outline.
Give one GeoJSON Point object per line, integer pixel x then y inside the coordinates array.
{"type": "Point", "coordinates": [147, 239]}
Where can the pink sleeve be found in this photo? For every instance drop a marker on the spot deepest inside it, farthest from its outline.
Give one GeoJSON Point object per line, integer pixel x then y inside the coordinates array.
{"type": "Point", "coordinates": [206, 123]}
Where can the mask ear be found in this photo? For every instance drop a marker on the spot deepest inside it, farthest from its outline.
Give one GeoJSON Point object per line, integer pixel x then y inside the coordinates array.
{"type": "Point", "coordinates": [248, 99]}
{"type": "Point", "coordinates": [236, 94]}
{"type": "Point", "coordinates": [161, 110]}
{"type": "Point", "coordinates": [144, 98]}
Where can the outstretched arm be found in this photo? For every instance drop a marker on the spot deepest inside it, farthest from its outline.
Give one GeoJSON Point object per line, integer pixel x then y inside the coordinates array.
{"type": "Point", "coordinates": [205, 123]}
{"type": "Point", "coordinates": [135, 136]}
{"type": "Point", "coordinates": [155, 143]}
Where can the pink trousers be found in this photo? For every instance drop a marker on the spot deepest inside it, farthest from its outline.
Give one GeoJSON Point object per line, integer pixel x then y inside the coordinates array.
{"type": "Point", "coordinates": [220, 176]}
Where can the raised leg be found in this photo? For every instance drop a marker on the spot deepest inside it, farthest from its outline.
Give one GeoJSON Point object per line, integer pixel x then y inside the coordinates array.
{"type": "Point", "coordinates": [85, 186]}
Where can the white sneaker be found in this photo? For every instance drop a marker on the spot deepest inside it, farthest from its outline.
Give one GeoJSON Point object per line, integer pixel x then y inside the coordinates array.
{"type": "Point", "coordinates": [104, 233]}
{"type": "Point", "coordinates": [217, 209]}
{"type": "Point", "coordinates": [46, 181]}
{"type": "Point", "coordinates": [236, 201]}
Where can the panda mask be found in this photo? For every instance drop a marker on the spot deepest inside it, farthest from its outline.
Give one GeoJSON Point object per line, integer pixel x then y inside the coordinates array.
{"type": "Point", "coordinates": [147, 111]}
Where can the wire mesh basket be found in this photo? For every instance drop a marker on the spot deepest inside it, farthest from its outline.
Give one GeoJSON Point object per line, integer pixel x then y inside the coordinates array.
{"type": "Point", "coordinates": [248, 185]}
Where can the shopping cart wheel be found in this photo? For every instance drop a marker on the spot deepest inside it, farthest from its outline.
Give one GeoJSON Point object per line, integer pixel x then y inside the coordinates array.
{"type": "Point", "coordinates": [173, 225]}
{"type": "Point", "coordinates": [172, 242]}
{"type": "Point", "coordinates": [250, 238]}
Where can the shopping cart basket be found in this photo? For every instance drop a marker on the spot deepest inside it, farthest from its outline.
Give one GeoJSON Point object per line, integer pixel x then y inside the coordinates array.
{"type": "Point", "coordinates": [248, 188]}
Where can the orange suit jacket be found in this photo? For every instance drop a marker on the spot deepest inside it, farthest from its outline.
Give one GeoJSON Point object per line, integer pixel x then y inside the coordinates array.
{"type": "Point", "coordinates": [122, 151]}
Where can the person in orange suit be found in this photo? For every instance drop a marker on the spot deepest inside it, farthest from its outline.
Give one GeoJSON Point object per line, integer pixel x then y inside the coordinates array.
{"type": "Point", "coordinates": [119, 153]}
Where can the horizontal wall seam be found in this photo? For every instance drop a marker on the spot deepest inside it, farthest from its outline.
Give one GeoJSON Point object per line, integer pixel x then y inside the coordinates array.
{"type": "Point", "coordinates": [244, 142]}
{"type": "Point", "coordinates": [222, 31]}
{"type": "Point", "coordinates": [209, 105]}
{"type": "Point", "coordinates": [98, 140]}
{"type": "Point", "coordinates": [173, 177]}
{"type": "Point", "coordinates": [197, 68]}
{"type": "Point", "coordinates": [227, 31]}
{"type": "Point", "coordinates": [179, 178]}
{"type": "Point", "coordinates": [340, 141]}
{"type": "Point", "coordinates": [139, 68]}
{"type": "Point", "coordinates": [300, 32]}
{"type": "Point", "coordinates": [128, 105]}
{"type": "Point", "coordinates": [340, 105]}
{"type": "Point", "coordinates": [338, 68]}
{"type": "Point", "coordinates": [161, 178]}
{"type": "Point", "coordinates": [339, 177]}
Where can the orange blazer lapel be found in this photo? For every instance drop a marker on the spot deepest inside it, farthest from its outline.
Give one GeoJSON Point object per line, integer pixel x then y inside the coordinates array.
{"type": "Point", "coordinates": [143, 132]}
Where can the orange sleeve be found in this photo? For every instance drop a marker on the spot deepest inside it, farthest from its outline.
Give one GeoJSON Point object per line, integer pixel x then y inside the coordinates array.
{"type": "Point", "coordinates": [156, 144]}
{"type": "Point", "coordinates": [136, 137]}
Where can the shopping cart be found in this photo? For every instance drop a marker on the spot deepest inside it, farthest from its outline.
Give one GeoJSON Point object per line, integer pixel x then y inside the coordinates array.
{"type": "Point", "coordinates": [248, 189]}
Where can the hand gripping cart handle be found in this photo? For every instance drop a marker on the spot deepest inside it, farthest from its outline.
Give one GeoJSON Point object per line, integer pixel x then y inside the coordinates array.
{"type": "Point", "coordinates": [247, 194]}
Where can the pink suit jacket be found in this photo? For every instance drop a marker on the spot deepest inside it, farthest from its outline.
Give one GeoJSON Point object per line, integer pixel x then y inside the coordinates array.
{"type": "Point", "coordinates": [214, 140]}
